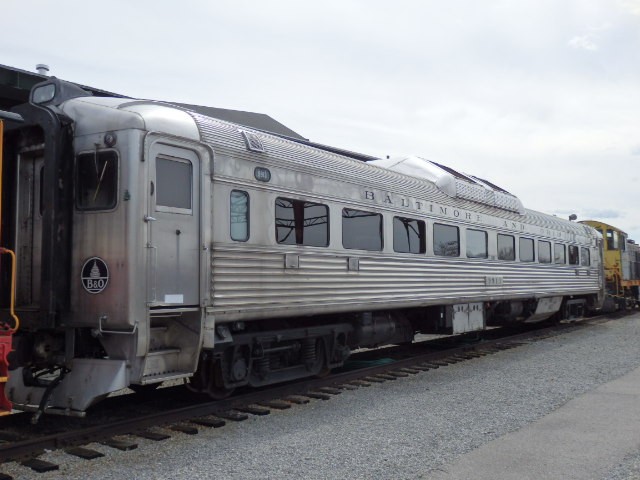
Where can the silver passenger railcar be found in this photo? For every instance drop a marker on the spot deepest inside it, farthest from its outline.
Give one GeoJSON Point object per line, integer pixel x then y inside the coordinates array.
{"type": "Point", "coordinates": [154, 243]}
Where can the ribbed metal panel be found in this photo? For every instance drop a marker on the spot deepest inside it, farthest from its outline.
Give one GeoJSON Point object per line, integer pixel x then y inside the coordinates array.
{"type": "Point", "coordinates": [252, 284]}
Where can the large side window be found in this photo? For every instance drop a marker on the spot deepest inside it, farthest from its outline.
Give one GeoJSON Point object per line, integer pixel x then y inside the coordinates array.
{"type": "Point", "coordinates": [361, 230]}
{"type": "Point", "coordinates": [574, 258]}
{"type": "Point", "coordinates": [97, 180]}
{"type": "Point", "coordinates": [446, 240]}
{"type": "Point", "coordinates": [559, 253]}
{"type": "Point", "coordinates": [544, 252]}
{"type": "Point", "coordinates": [302, 223]}
{"type": "Point", "coordinates": [506, 247]}
{"type": "Point", "coordinates": [173, 185]}
{"type": "Point", "coordinates": [527, 253]}
{"type": "Point", "coordinates": [408, 235]}
{"type": "Point", "coordinates": [239, 215]}
{"type": "Point", "coordinates": [585, 257]}
{"type": "Point", "coordinates": [476, 244]}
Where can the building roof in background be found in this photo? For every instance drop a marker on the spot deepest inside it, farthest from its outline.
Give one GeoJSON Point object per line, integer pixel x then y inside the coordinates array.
{"type": "Point", "coordinates": [15, 85]}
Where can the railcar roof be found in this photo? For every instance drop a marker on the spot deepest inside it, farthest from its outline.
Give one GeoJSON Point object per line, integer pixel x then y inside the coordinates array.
{"type": "Point", "coordinates": [175, 120]}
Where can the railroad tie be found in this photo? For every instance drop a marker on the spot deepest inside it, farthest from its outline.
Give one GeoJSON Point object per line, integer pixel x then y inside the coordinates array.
{"type": "Point", "coordinates": [82, 452]}
{"type": "Point", "coordinates": [122, 445]}
{"type": "Point", "coordinates": [40, 466]}
{"type": "Point", "coordinates": [212, 422]}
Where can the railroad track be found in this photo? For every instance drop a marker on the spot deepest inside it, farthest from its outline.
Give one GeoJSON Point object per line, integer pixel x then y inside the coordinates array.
{"type": "Point", "coordinates": [19, 441]}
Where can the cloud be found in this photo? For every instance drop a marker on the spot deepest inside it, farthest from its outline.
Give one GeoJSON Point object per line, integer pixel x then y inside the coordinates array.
{"type": "Point", "coordinates": [585, 42]}
{"type": "Point", "coordinates": [602, 214]}
{"type": "Point", "coordinates": [632, 6]}
{"type": "Point", "coordinates": [635, 150]}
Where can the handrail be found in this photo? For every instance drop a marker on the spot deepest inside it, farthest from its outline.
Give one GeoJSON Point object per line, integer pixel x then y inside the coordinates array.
{"type": "Point", "coordinates": [12, 302]}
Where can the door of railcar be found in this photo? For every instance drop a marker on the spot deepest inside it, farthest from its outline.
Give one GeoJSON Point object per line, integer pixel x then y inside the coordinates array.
{"type": "Point", "coordinates": [173, 220]}
{"type": "Point", "coordinates": [29, 209]}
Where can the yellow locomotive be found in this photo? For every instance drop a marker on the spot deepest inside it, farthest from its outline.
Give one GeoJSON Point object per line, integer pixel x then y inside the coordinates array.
{"type": "Point", "coordinates": [621, 266]}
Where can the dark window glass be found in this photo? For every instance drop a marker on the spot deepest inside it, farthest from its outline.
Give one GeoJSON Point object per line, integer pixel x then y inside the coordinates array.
{"type": "Point", "coordinates": [544, 252]}
{"type": "Point", "coordinates": [302, 223]}
{"type": "Point", "coordinates": [506, 247]}
{"type": "Point", "coordinates": [361, 230]}
{"type": "Point", "coordinates": [446, 240]}
{"type": "Point", "coordinates": [559, 253]}
{"type": "Point", "coordinates": [239, 215]}
{"type": "Point", "coordinates": [585, 257]}
{"type": "Point", "coordinates": [97, 181]}
{"type": "Point", "coordinates": [476, 244]}
{"type": "Point", "coordinates": [173, 183]}
{"type": "Point", "coordinates": [408, 235]}
{"type": "Point", "coordinates": [526, 250]}
{"type": "Point", "coordinates": [612, 239]}
{"type": "Point", "coordinates": [574, 258]}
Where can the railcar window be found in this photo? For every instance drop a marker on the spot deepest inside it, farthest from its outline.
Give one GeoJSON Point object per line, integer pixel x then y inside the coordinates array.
{"type": "Point", "coordinates": [544, 252]}
{"type": "Point", "coordinates": [173, 184]}
{"type": "Point", "coordinates": [446, 240]}
{"type": "Point", "coordinates": [574, 258]}
{"type": "Point", "coordinates": [408, 235]}
{"type": "Point", "coordinates": [97, 181]}
{"type": "Point", "coordinates": [585, 257]}
{"type": "Point", "coordinates": [239, 215]}
{"type": "Point", "coordinates": [476, 244]}
{"type": "Point", "coordinates": [361, 230]}
{"type": "Point", "coordinates": [612, 239]}
{"type": "Point", "coordinates": [302, 223]}
{"type": "Point", "coordinates": [527, 253]}
{"type": "Point", "coordinates": [506, 247]}
{"type": "Point", "coordinates": [559, 253]}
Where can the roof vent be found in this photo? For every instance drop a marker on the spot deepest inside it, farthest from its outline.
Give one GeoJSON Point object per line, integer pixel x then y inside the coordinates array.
{"type": "Point", "coordinates": [42, 69]}
{"type": "Point", "coordinates": [253, 142]}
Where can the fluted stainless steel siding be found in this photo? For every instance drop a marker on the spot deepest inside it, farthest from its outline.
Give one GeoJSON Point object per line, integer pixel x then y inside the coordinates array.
{"type": "Point", "coordinates": [249, 280]}
{"type": "Point", "coordinates": [252, 283]}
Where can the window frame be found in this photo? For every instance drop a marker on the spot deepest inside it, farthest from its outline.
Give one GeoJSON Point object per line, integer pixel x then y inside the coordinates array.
{"type": "Point", "coordinates": [76, 177]}
{"type": "Point", "coordinates": [585, 253]}
{"type": "Point", "coordinates": [533, 249]}
{"type": "Point", "coordinates": [381, 229]}
{"type": "Point", "coordinates": [167, 208]}
{"type": "Point", "coordinates": [422, 235]}
{"type": "Point", "coordinates": [248, 215]}
{"type": "Point", "coordinates": [435, 225]}
{"type": "Point", "coordinates": [564, 253]}
{"type": "Point", "coordinates": [486, 243]}
{"type": "Point", "coordinates": [295, 243]}
{"type": "Point", "coordinates": [576, 251]}
{"type": "Point", "coordinates": [513, 247]}
{"type": "Point", "coordinates": [550, 245]}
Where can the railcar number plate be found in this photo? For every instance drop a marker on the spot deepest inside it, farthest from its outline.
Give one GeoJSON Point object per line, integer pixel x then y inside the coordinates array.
{"type": "Point", "coordinates": [493, 280]}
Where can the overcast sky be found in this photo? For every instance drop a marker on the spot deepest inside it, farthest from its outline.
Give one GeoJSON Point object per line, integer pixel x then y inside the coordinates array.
{"type": "Point", "coordinates": [541, 97]}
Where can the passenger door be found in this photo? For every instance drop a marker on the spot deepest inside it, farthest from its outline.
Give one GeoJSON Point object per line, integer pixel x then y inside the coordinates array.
{"type": "Point", "coordinates": [173, 221]}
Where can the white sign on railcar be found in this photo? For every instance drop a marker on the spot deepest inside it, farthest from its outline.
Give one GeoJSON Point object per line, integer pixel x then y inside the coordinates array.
{"type": "Point", "coordinates": [95, 275]}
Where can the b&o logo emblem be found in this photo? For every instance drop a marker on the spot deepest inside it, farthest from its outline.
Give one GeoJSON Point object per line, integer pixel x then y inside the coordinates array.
{"type": "Point", "coordinates": [95, 275]}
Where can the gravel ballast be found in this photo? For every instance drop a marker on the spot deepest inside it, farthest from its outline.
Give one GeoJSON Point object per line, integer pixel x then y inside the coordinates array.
{"type": "Point", "coordinates": [399, 429]}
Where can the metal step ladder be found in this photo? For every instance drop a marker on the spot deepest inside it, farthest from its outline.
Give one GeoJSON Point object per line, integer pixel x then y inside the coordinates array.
{"type": "Point", "coordinates": [163, 359]}
{"type": "Point", "coordinates": [6, 329]}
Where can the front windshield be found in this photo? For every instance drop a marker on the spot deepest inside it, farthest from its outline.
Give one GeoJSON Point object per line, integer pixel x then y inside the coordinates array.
{"type": "Point", "coordinates": [97, 180]}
